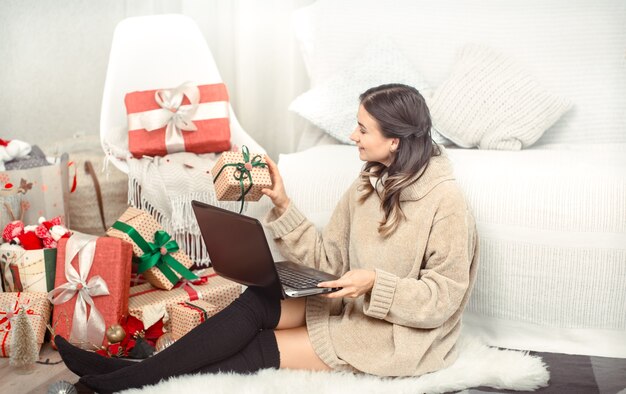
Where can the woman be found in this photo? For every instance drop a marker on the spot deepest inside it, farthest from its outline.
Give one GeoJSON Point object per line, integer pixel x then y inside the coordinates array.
{"type": "Point", "coordinates": [402, 241]}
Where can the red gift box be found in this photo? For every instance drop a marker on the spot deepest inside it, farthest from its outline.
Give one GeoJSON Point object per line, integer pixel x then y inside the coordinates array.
{"type": "Point", "coordinates": [187, 118]}
{"type": "Point", "coordinates": [92, 293]}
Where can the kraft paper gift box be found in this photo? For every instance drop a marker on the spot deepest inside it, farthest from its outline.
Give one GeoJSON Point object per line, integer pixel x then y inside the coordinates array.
{"type": "Point", "coordinates": [91, 287]}
{"type": "Point", "coordinates": [37, 310]}
{"type": "Point", "coordinates": [185, 316]}
{"type": "Point", "coordinates": [28, 270]}
{"type": "Point", "coordinates": [161, 261]}
{"type": "Point", "coordinates": [186, 118]}
{"type": "Point", "coordinates": [240, 176]}
{"type": "Point", "coordinates": [27, 194]}
{"type": "Point", "coordinates": [150, 304]}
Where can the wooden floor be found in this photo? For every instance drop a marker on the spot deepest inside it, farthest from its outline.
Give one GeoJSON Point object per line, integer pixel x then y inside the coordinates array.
{"type": "Point", "coordinates": [40, 379]}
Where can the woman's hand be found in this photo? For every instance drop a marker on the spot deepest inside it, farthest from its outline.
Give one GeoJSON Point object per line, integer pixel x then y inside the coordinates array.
{"type": "Point", "coordinates": [277, 192]}
{"type": "Point", "coordinates": [354, 284]}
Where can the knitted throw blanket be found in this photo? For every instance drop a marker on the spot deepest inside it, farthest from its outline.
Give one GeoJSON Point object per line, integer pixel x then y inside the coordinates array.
{"type": "Point", "coordinates": [165, 187]}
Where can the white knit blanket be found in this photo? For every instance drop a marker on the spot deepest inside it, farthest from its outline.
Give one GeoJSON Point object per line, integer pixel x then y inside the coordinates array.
{"type": "Point", "coordinates": [165, 187]}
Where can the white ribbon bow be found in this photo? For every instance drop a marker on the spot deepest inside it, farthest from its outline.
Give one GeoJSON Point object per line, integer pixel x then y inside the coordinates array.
{"type": "Point", "coordinates": [177, 117]}
{"type": "Point", "coordinates": [84, 329]}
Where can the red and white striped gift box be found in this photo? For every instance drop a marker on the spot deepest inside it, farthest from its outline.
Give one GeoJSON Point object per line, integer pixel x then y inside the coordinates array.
{"type": "Point", "coordinates": [157, 119]}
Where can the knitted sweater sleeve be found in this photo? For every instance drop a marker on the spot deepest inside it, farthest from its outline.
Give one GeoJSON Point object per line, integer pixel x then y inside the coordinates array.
{"type": "Point", "coordinates": [429, 300]}
{"type": "Point", "coordinates": [299, 240]}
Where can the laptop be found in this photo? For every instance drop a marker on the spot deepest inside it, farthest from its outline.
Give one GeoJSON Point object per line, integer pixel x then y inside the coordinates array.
{"type": "Point", "coordinates": [239, 251]}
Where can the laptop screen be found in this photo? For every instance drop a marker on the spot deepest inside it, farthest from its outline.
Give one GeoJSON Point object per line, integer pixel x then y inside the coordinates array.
{"type": "Point", "coordinates": [236, 245]}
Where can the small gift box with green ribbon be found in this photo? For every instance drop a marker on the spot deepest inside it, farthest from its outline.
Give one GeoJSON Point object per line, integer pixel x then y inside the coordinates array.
{"type": "Point", "coordinates": [185, 316]}
{"type": "Point", "coordinates": [240, 176]}
{"type": "Point", "coordinates": [160, 258]}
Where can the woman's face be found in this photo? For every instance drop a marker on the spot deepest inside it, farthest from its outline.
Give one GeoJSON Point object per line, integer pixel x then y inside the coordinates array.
{"type": "Point", "coordinates": [372, 144]}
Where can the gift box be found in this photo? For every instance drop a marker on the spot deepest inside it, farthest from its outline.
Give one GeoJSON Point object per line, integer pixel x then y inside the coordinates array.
{"type": "Point", "coordinates": [37, 310]}
{"type": "Point", "coordinates": [187, 118]}
{"type": "Point", "coordinates": [160, 259]}
{"type": "Point", "coordinates": [149, 304]}
{"type": "Point", "coordinates": [185, 316]}
{"type": "Point", "coordinates": [28, 270]}
{"type": "Point", "coordinates": [91, 287]}
{"type": "Point", "coordinates": [240, 176]}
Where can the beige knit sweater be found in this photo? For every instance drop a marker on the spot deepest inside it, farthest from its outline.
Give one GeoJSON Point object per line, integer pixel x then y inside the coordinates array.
{"type": "Point", "coordinates": [410, 321]}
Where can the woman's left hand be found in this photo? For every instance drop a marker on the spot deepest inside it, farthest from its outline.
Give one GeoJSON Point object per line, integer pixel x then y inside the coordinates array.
{"type": "Point", "coordinates": [353, 284]}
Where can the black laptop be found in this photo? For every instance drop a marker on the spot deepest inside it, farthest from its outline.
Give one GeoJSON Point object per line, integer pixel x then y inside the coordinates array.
{"type": "Point", "coordinates": [239, 251]}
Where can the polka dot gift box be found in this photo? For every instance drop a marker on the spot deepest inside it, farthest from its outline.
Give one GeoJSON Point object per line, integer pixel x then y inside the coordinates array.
{"type": "Point", "coordinates": [187, 315]}
{"type": "Point", "coordinates": [240, 176]}
{"type": "Point", "coordinates": [161, 260]}
{"type": "Point", "coordinates": [37, 310]}
{"type": "Point", "coordinates": [150, 304]}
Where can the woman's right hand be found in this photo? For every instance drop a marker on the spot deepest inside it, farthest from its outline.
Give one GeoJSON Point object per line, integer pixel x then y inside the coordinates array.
{"type": "Point", "coordinates": [277, 192]}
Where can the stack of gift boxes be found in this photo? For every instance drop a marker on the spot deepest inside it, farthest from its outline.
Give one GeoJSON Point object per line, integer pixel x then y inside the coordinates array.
{"type": "Point", "coordinates": [135, 283]}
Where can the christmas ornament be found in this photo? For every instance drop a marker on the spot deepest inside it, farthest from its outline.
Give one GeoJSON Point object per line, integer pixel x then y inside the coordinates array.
{"type": "Point", "coordinates": [62, 387]}
{"type": "Point", "coordinates": [164, 341]}
{"type": "Point", "coordinates": [115, 333]}
{"type": "Point", "coordinates": [24, 348]}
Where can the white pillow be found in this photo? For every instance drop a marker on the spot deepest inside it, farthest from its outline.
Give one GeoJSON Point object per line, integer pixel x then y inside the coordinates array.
{"type": "Point", "coordinates": [491, 102]}
{"type": "Point", "coordinates": [333, 104]}
{"type": "Point", "coordinates": [573, 47]}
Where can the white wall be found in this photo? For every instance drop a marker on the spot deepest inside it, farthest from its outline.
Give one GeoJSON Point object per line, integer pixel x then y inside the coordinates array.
{"type": "Point", "coordinates": [54, 55]}
{"type": "Point", "coordinates": [53, 59]}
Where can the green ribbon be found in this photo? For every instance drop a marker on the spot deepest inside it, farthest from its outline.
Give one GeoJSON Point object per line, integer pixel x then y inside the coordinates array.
{"type": "Point", "coordinates": [242, 172]}
{"type": "Point", "coordinates": [157, 253]}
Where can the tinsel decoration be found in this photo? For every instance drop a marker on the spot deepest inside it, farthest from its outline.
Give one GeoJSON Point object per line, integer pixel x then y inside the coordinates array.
{"type": "Point", "coordinates": [24, 347]}
{"type": "Point", "coordinates": [62, 387]}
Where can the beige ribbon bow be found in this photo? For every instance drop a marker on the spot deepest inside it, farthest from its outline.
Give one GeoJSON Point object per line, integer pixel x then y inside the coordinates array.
{"type": "Point", "coordinates": [172, 114]}
{"type": "Point", "coordinates": [85, 330]}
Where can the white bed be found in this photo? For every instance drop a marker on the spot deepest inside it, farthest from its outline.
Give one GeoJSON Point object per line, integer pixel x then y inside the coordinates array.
{"type": "Point", "coordinates": [551, 218]}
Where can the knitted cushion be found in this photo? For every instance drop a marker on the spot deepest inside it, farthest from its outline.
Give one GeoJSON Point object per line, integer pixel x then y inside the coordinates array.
{"type": "Point", "coordinates": [333, 104]}
{"type": "Point", "coordinates": [491, 102]}
{"type": "Point", "coordinates": [573, 47]}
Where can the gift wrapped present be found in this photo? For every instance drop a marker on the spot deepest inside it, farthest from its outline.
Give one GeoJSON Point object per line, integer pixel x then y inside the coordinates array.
{"type": "Point", "coordinates": [28, 270]}
{"type": "Point", "coordinates": [240, 176]}
{"type": "Point", "coordinates": [161, 261]}
{"type": "Point", "coordinates": [149, 304]}
{"type": "Point", "coordinates": [187, 118]}
{"type": "Point", "coordinates": [185, 316]}
{"type": "Point", "coordinates": [37, 309]}
{"type": "Point", "coordinates": [91, 287]}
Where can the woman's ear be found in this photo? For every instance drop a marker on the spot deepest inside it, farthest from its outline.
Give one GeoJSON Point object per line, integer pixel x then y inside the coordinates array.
{"type": "Point", "coordinates": [395, 142]}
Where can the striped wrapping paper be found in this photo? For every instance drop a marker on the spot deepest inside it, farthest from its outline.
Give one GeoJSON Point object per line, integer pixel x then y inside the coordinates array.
{"type": "Point", "coordinates": [211, 120]}
{"type": "Point", "coordinates": [28, 270]}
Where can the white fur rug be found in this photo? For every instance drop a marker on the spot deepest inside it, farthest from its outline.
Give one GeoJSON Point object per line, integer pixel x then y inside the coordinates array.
{"type": "Point", "coordinates": [477, 365]}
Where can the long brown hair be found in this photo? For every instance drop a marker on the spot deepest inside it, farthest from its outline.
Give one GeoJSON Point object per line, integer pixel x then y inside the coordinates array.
{"type": "Point", "coordinates": [400, 112]}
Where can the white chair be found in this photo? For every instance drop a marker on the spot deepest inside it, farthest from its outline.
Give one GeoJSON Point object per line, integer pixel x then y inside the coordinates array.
{"type": "Point", "coordinates": [152, 52]}
{"type": "Point", "coordinates": [159, 52]}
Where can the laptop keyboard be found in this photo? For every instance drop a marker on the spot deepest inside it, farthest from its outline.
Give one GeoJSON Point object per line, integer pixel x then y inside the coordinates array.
{"type": "Point", "coordinates": [295, 279]}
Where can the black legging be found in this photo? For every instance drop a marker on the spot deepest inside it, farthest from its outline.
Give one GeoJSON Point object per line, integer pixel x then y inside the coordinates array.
{"type": "Point", "coordinates": [240, 338]}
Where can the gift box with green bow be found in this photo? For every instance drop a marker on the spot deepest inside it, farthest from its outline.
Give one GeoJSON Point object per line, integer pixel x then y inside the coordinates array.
{"type": "Point", "coordinates": [160, 258]}
{"type": "Point", "coordinates": [240, 176]}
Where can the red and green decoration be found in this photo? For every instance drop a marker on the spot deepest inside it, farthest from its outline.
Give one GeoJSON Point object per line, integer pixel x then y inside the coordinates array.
{"type": "Point", "coordinates": [129, 339]}
{"type": "Point", "coordinates": [157, 254]}
{"type": "Point", "coordinates": [242, 172]}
